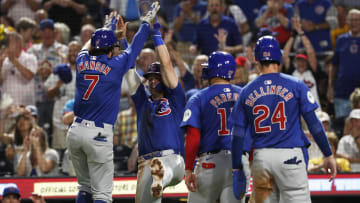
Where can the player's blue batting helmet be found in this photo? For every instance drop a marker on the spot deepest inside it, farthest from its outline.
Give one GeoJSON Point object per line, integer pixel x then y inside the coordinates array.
{"type": "Point", "coordinates": [103, 38]}
{"type": "Point", "coordinates": [153, 68]}
{"type": "Point", "coordinates": [267, 48]}
{"type": "Point", "coordinates": [221, 64]}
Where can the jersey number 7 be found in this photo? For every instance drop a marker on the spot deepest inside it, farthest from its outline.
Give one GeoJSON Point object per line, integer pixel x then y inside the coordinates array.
{"type": "Point", "coordinates": [94, 80]}
{"type": "Point", "coordinates": [278, 116]}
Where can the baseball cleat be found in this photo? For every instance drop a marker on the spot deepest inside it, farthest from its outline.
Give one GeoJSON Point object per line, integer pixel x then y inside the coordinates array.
{"type": "Point", "coordinates": [157, 173]}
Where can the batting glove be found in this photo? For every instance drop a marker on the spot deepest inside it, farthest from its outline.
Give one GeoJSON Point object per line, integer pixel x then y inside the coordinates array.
{"type": "Point", "coordinates": [239, 183]}
{"type": "Point", "coordinates": [111, 21]}
{"type": "Point", "coordinates": [150, 16]}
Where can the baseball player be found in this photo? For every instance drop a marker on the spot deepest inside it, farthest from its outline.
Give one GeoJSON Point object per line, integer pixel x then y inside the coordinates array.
{"type": "Point", "coordinates": [271, 106]}
{"type": "Point", "coordinates": [208, 134]}
{"type": "Point", "coordinates": [159, 112]}
{"type": "Point", "coordinates": [98, 86]}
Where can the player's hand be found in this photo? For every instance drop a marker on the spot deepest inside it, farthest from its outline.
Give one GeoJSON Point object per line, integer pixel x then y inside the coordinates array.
{"type": "Point", "coordinates": [239, 183]}
{"type": "Point", "coordinates": [190, 181]}
{"type": "Point", "coordinates": [330, 166]}
{"type": "Point", "coordinates": [151, 14]}
{"type": "Point", "coordinates": [111, 20]}
{"type": "Point", "coordinates": [121, 28]}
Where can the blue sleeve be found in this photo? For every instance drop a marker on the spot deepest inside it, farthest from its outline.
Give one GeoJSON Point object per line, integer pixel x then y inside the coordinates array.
{"type": "Point", "coordinates": [237, 143]}
{"type": "Point", "coordinates": [317, 131]}
{"type": "Point", "coordinates": [177, 96]}
{"type": "Point", "coordinates": [262, 10]}
{"type": "Point", "coordinates": [139, 97]}
{"type": "Point", "coordinates": [188, 80]}
{"type": "Point", "coordinates": [307, 100]}
{"type": "Point", "coordinates": [237, 116]}
{"type": "Point", "coordinates": [192, 113]}
{"type": "Point", "coordinates": [137, 44]}
{"type": "Point", "coordinates": [69, 106]}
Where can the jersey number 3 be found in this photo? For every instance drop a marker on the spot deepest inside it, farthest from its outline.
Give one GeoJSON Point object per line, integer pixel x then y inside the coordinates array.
{"type": "Point", "coordinates": [278, 116]}
{"type": "Point", "coordinates": [94, 80]}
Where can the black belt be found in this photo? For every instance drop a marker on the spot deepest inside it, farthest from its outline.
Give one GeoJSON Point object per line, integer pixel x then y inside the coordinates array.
{"type": "Point", "coordinates": [97, 124]}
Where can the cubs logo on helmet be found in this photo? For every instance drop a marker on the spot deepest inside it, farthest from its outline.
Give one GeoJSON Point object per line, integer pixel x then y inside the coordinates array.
{"type": "Point", "coordinates": [163, 108]}
{"type": "Point", "coordinates": [153, 68]}
{"type": "Point", "coordinates": [267, 48]}
{"type": "Point", "coordinates": [103, 38]}
{"type": "Point", "coordinates": [221, 64]}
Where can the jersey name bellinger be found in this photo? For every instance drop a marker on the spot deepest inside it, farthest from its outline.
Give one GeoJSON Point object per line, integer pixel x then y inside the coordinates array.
{"type": "Point", "coordinates": [268, 90]}
{"type": "Point", "coordinates": [93, 65]}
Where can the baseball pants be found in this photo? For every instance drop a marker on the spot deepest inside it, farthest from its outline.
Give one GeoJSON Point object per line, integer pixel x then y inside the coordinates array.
{"type": "Point", "coordinates": [92, 159]}
{"type": "Point", "coordinates": [214, 181]}
{"type": "Point", "coordinates": [279, 175]}
{"type": "Point", "coordinates": [171, 167]}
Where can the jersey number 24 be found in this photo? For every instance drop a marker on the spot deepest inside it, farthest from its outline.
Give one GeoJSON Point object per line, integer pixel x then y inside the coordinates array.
{"type": "Point", "coordinates": [263, 112]}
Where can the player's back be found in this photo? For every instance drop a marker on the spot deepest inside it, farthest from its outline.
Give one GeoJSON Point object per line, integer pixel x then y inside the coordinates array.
{"type": "Point", "coordinates": [98, 87]}
{"type": "Point", "coordinates": [213, 107]}
{"type": "Point", "coordinates": [273, 104]}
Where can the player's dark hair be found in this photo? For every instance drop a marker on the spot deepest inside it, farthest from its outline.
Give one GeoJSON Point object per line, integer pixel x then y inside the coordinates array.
{"type": "Point", "coordinates": [267, 63]}
{"type": "Point", "coordinates": [97, 52]}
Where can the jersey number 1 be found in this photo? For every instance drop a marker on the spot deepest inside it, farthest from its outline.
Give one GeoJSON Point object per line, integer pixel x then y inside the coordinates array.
{"type": "Point", "coordinates": [223, 122]}
{"type": "Point", "coordinates": [94, 80]}
{"type": "Point", "coordinates": [278, 116]}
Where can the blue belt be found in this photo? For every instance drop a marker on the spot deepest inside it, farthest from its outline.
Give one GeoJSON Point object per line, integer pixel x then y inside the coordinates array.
{"type": "Point", "coordinates": [158, 154]}
{"type": "Point", "coordinates": [97, 124]}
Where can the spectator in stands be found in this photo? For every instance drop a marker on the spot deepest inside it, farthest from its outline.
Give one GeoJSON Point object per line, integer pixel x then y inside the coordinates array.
{"type": "Point", "coordinates": [241, 71]}
{"type": "Point", "coordinates": [17, 9]}
{"type": "Point", "coordinates": [26, 28]}
{"type": "Point", "coordinates": [69, 12]}
{"type": "Point", "coordinates": [276, 15]}
{"type": "Point", "coordinates": [62, 92]}
{"type": "Point", "coordinates": [342, 164]}
{"type": "Point", "coordinates": [251, 10]}
{"type": "Point", "coordinates": [40, 15]}
{"type": "Point", "coordinates": [68, 116]}
{"type": "Point", "coordinates": [146, 57]}
{"type": "Point", "coordinates": [349, 145]}
{"type": "Point", "coordinates": [343, 27]}
{"type": "Point", "coordinates": [317, 19]}
{"type": "Point", "coordinates": [305, 63]}
{"type": "Point", "coordinates": [355, 104]}
{"type": "Point", "coordinates": [216, 32]}
{"type": "Point", "coordinates": [11, 194]}
{"type": "Point", "coordinates": [37, 159]}
{"type": "Point", "coordinates": [235, 12]}
{"type": "Point", "coordinates": [47, 54]}
{"type": "Point", "coordinates": [188, 14]}
{"type": "Point", "coordinates": [345, 73]}
{"type": "Point", "coordinates": [86, 32]}
{"type": "Point", "coordinates": [17, 71]}
{"type": "Point", "coordinates": [62, 33]}
{"type": "Point", "coordinates": [196, 68]}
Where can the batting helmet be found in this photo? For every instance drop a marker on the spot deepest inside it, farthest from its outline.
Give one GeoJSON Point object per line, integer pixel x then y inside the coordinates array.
{"type": "Point", "coordinates": [153, 68]}
{"type": "Point", "coordinates": [220, 64]}
{"type": "Point", "coordinates": [267, 48]}
{"type": "Point", "coordinates": [103, 38]}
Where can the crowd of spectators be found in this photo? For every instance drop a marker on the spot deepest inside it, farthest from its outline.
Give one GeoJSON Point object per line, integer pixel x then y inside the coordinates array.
{"type": "Point", "coordinates": [320, 41]}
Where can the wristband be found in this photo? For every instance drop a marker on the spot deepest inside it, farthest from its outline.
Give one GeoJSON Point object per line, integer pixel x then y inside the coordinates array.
{"type": "Point", "coordinates": [156, 37]}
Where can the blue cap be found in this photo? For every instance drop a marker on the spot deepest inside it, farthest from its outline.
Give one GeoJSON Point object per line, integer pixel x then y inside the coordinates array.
{"type": "Point", "coordinates": [11, 190]}
{"type": "Point", "coordinates": [47, 23]}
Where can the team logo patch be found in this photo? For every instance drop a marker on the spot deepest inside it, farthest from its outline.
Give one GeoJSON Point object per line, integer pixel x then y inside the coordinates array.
{"type": "Point", "coordinates": [226, 89]}
{"type": "Point", "coordinates": [163, 108]}
{"type": "Point", "coordinates": [266, 54]}
{"type": "Point", "coordinates": [187, 115]}
{"type": "Point", "coordinates": [319, 10]}
{"type": "Point", "coordinates": [354, 48]}
{"type": "Point", "coordinates": [310, 97]}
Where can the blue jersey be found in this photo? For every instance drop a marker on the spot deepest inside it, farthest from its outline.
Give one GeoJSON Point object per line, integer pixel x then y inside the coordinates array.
{"type": "Point", "coordinates": [208, 111]}
{"type": "Point", "coordinates": [158, 121]}
{"type": "Point", "coordinates": [346, 53]}
{"type": "Point", "coordinates": [271, 106]}
{"type": "Point", "coordinates": [315, 12]}
{"type": "Point", "coordinates": [98, 81]}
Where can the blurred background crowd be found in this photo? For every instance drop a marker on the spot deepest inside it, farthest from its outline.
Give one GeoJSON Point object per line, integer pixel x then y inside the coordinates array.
{"type": "Point", "coordinates": [320, 41]}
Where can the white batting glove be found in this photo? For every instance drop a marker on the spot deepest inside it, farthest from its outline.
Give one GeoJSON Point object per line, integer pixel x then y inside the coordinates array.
{"type": "Point", "coordinates": [111, 21]}
{"type": "Point", "coordinates": [150, 16]}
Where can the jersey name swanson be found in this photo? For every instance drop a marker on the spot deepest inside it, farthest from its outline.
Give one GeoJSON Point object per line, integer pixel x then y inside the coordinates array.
{"type": "Point", "coordinates": [93, 65]}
